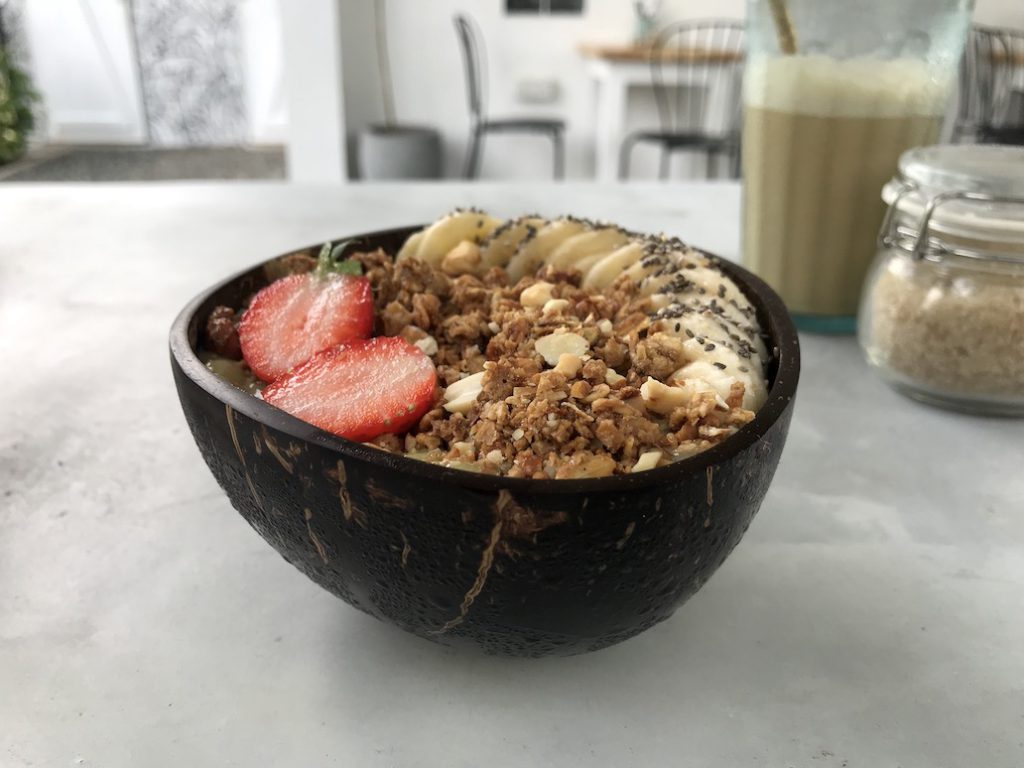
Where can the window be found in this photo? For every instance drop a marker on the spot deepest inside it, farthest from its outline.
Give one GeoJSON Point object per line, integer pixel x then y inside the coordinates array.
{"type": "Point", "coordinates": [543, 6]}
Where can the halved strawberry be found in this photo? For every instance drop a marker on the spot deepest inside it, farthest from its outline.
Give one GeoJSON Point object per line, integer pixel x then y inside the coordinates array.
{"type": "Point", "coordinates": [359, 389]}
{"type": "Point", "coordinates": [295, 317]}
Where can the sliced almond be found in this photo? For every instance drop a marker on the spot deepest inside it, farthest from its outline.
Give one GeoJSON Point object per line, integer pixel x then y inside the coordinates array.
{"type": "Point", "coordinates": [463, 403]}
{"type": "Point", "coordinates": [472, 383]}
{"type": "Point", "coordinates": [647, 460]}
{"type": "Point", "coordinates": [554, 345]}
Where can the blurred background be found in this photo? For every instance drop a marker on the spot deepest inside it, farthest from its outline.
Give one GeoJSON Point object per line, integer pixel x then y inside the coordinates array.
{"type": "Point", "coordinates": [337, 90]}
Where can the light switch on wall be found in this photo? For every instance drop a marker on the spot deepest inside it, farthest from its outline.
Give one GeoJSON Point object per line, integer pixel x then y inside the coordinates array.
{"type": "Point", "coordinates": [538, 91]}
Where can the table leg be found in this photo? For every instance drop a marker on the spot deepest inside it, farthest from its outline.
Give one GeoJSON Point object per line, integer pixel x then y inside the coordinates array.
{"type": "Point", "coordinates": [608, 132]}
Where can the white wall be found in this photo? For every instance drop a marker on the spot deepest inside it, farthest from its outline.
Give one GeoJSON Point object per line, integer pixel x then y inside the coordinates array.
{"type": "Point", "coordinates": [428, 75]}
{"type": "Point", "coordinates": [311, 34]}
{"type": "Point", "coordinates": [263, 75]}
{"type": "Point", "coordinates": [1000, 13]}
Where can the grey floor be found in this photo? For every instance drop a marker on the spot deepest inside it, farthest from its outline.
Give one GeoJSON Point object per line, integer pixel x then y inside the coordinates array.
{"type": "Point", "coordinates": [146, 164]}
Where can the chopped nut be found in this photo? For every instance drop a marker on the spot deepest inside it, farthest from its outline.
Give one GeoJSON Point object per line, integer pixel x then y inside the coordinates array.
{"type": "Point", "coordinates": [605, 327]}
{"type": "Point", "coordinates": [594, 371]}
{"type": "Point", "coordinates": [554, 306]}
{"type": "Point", "coordinates": [463, 450]}
{"type": "Point", "coordinates": [611, 377]}
{"type": "Point", "coordinates": [463, 259]}
{"type": "Point", "coordinates": [537, 295]}
{"type": "Point", "coordinates": [598, 392]}
{"type": "Point", "coordinates": [494, 457]}
{"type": "Point", "coordinates": [637, 404]}
{"type": "Point", "coordinates": [569, 364]}
{"type": "Point", "coordinates": [662, 399]}
{"type": "Point", "coordinates": [428, 344]}
{"type": "Point", "coordinates": [580, 389]}
{"type": "Point", "coordinates": [554, 345]}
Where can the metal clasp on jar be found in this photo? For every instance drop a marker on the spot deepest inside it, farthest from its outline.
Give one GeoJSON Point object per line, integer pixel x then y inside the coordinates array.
{"type": "Point", "coordinates": [922, 243]}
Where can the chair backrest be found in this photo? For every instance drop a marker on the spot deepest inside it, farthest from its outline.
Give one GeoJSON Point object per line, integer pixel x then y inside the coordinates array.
{"type": "Point", "coordinates": [697, 72]}
{"type": "Point", "coordinates": [474, 63]}
{"type": "Point", "coordinates": [1008, 81]}
{"type": "Point", "coordinates": [979, 72]}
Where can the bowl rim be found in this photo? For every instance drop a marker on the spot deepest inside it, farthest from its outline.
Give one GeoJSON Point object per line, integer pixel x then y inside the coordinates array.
{"type": "Point", "coordinates": [782, 339]}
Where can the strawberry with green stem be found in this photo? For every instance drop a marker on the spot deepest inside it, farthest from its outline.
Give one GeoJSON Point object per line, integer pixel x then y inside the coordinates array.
{"type": "Point", "coordinates": [295, 317]}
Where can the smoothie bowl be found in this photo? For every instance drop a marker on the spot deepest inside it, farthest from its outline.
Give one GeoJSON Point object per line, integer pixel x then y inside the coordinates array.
{"type": "Point", "coordinates": [534, 436]}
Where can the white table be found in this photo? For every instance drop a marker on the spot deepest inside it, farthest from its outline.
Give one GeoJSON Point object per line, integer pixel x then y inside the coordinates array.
{"type": "Point", "coordinates": [873, 616]}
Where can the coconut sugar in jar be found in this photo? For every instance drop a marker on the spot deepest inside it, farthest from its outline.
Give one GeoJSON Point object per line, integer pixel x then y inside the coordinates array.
{"type": "Point", "coordinates": [942, 312]}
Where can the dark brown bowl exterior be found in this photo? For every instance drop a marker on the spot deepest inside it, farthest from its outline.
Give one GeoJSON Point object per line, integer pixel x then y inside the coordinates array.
{"type": "Point", "coordinates": [512, 566]}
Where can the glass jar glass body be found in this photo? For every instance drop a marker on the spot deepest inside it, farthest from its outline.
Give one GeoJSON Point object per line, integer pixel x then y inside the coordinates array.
{"type": "Point", "coordinates": [823, 130]}
{"type": "Point", "coordinates": [947, 330]}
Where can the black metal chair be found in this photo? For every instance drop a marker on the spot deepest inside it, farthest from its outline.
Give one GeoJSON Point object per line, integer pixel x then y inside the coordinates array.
{"type": "Point", "coordinates": [693, 62]}
{"type": "Point", "coordinates": [475, 64]}
{"type": "Point", "coordinates": [980, 83]}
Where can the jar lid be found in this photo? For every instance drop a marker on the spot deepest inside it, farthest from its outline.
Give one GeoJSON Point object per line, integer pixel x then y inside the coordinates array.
{"type": "Point", "coordinates": [989, 169]}
{"type": "Point", "coordinates": [977, 191]}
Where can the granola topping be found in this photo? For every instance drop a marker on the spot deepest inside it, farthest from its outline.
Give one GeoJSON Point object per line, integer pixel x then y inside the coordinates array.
{"type": "Point", "coordinates": [543, 378]}
{"type": "Point", "coordinates": [563, 348]}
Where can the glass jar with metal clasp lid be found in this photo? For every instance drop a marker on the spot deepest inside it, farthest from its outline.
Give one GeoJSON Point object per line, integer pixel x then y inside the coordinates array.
{"type": "Point", "coordinates": [942, 311]}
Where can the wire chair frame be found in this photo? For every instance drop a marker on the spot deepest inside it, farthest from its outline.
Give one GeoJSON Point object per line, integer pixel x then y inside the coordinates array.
{"type": "Point", "coordinates": [682, 83]}
{"type": "Point", "coordinates": [1008, 78]}
{"type": "Point", "coordinates": [474, 63]}
{"type": "Point", "coordinates": [979, 72]}
{"type": "Point", "coordinates": [695, 64]}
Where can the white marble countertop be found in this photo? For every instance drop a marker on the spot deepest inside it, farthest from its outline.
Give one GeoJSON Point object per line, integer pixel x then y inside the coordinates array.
{"type": "Point", "coordinates": [872, 617]}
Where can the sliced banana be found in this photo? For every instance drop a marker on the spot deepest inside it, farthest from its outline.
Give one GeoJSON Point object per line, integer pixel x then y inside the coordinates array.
{"type": "Point", "coordinates": [446, 233]}
{"type": "Point", "coordinates": [505, 241]}
{"type": "Point", "coordinates": [411, 246]}
{"type": "Point", "coordinates": [596, 242]}
{"type": "Point", "coordinates": [605, 271]}
{"type": "Point", "coordinates": [690, 327]}
{"type": "Point", "coordinates": [532, 253]}
{"type": "Point", "coordinates": [585, 265]}
{"type": "Point", "coordinates": [721, 379]}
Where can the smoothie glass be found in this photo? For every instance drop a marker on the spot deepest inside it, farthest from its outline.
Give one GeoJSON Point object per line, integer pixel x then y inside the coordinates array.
{"type": "Point", "coordinates": [834, 93]}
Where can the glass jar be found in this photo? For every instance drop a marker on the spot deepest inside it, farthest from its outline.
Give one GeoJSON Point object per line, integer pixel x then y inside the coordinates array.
{"type": "Point", "coordinates": [942, 314]}
{"type": "Point", "coordinates": [834, 92]}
